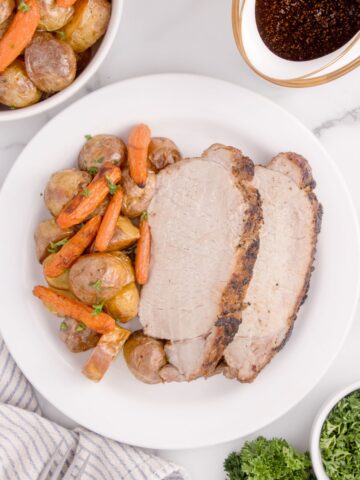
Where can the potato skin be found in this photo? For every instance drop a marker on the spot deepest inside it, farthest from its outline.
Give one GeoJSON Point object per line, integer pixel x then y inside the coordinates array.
{"type": "Point", "coordinates": [162, 152]}
{"type": "Point", "coordinates": [16, 88]}
{"type": "Point", "coordinates": [145, 356]}
{"type": "Point", "coordinates": [100, 149]}
{"type": "Point", "coordinates": [124, 306]}
{"type": "Point", "coordinates": [88, 24]}
{"type": "Point", "coordinates": [50, 63]}
{"type": "Point", "coordinates": [136, 199]}
{"type": "Point", "coordinates": [62, 187]}
{"type": "Point", "coordinates": [6, 9]}
{"type": "Point", "coordinates": [53, 17]}
{"type": "Point", "coordinates": [109, 271]}
{"type": "Point", "coordinates": [78, 341]}
{"type": "Point", "coordinates": [125, 235]}
{"type": "Point", "coordinates": [46, 232]}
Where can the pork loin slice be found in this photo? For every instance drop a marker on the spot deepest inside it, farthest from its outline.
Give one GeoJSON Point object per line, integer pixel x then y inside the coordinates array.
{"type": "Point", "coordinates": [204, 218]}
{"type": "Point", "coordinates": [281, 275]}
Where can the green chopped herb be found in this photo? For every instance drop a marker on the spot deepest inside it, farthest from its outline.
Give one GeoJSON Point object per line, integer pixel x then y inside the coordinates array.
{"type": "Point", "coordinates": [55, 246]}
{"type": "Point", "coordinates": [98, 308]}
{"type": "Point", "coordinates": [340, 439]}
{"type": "Point", "coordinates": [80, 327]}
{"type": "Point", "coordinates": [88, 137]}
{"type": "Point", "coordinates": [85, 192]}
{"type": "Point", "coordinates": [112, 186]}
{"type": "Point", "coordinates": [93, 171]}
{"type": "Point", "coordinates": [97, 285]}
{"type": "Point", "coordinates": [61, 34]}
{"type": "Point", "coordinates": [63, 326]}
{"type": "Point", "coordinates": [264, 459]}
{"type": "Point", "coordinates": [23, 7]}
{"type": "Point", "coordinates": [99, 160]}
{"type": "Point", "coordinates": [144, 216]}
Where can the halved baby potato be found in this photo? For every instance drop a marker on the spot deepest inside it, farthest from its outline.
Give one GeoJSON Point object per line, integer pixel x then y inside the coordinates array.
{"type": "Point", "coordinates": [53, 17]}
{"type": "Point", "coordinates": [124, 306]}
{"type": "Point", "coordinates": [62, 281]}
{"type": "Point", "coordinates": [16, 88]}
{"type": "Point", "coordinates": [100, 149]}
{"type": "Point", "coordinates": [47, 233]}
{"type": "Point", "coordinates": [125, 235]}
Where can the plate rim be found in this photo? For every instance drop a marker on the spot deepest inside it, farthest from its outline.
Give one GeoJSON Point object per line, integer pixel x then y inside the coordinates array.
{"type": "Point", "coordinates": [162, 444]}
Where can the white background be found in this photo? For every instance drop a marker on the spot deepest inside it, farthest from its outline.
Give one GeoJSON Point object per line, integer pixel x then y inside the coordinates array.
{"type": "Point", "coordinates": [194, 36]}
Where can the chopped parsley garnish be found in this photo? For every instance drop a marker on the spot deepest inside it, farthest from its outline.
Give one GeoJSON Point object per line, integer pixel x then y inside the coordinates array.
{"type": "Point", "coordinates": [63, 326]}
{"type": "Point", "coordinates": [144, 216]}
{"type": "Point", "coordinates": [96, 285]}
{"type": "Point", "coordinates": [61, 34]}
{"type": "Point", "coordinates": [112, 186]}
{"type": "Point", "coordinates": [23, 7]}
{"type": "Point", "coordinates": [55, 246]}
{"type": "Point", "coordinates": [99, 160]}
{"type": "Point", "coordinates": [98, 308]}
{"type": "Point", "coordinates": [85, 192]}
{"type": "Point", "coordinates": [80, 327]}
{"type": "Point", "coordinates": [93, 171]}
{"type": "Point", "coordinates": [88, 137]}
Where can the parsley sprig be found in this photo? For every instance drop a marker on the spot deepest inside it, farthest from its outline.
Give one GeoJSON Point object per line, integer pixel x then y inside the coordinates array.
{"type": "Point", "coordinates": [96, 285]}
{"type": "Point", "coordinates": [80, 327]}
{"type": "Point", "coordinates": [112, 186]}
{"type": "Point", "coordinates": [23, 7]}
{"type": "Point", "coordinates": [98, 308]}
{"type": "Point", "coordinates": [55, 246]}
{"type": "Point", "coordinates": [85, 192]}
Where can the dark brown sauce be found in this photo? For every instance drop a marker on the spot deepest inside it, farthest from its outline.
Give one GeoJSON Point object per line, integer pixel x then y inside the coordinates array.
{"type": "Point", "coordinates": [306, 29]}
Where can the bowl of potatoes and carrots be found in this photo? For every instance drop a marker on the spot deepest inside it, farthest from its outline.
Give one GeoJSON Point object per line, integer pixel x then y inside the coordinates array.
{"type": "Point", "coordinates": [95, 248]}
{"type": "Point", "coordinates": [49, 49]}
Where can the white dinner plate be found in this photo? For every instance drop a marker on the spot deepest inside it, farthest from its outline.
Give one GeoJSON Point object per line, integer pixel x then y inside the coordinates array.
{"type": "Point", "coordinates": [195, 112]}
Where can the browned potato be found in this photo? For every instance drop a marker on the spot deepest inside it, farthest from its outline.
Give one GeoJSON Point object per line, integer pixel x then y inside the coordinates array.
{"type": "Point", "coordinates": [125, 234]}
{"type": "Point", "coordinates": [16, 88]}
{"type": "Point", "coordinates": [124, 306]}
{"type": "Point", "coordinates": [62, 187]}
{"type": "Point", "coordinates": [5, 25]}
{"type": "Point", "coordinates": [76, 336]}
{"type": "Point", "coordinates": [45, 233]}
{"type": "Point", "coordinates": [162, 152]}
{"type": "Point", "coordinates": [53, 17]}
{"type": "Point", "coordinates": [88, 24]}
{"type": "Point", "coordinates": [99, 276]}
{"type": "Point", "coordinates": [136, 199]}
{"type": "Point", "coordinates": [145, 356]}
{"type": "Point", "coordinates": [50, 62]}
{"type": "Point", "coordinates": [6, 9]}
{"type": "Point", "coordinates": [100, 149]}
{"type": "Point", "coordinates": [62, 281]}
{"type": "Point", "coordinates": [82, 60]}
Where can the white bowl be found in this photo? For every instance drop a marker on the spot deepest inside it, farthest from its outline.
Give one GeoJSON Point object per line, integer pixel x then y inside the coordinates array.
{"type": "Point", "coordinates": [58, 98]}
{"type": "Point", "coordinates": [317, 427]}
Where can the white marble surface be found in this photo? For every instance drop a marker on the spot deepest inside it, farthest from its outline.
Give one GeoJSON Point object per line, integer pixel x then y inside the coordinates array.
{"type": "Point", "coordinates": [194, 36]}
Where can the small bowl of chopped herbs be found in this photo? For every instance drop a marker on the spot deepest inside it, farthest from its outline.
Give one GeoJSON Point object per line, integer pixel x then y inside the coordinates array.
{"type": "Point", "coordinates": [335, 437]}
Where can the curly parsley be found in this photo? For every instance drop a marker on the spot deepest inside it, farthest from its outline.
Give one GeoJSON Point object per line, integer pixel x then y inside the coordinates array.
{"type": "Point", "coordinates": [112, 186]}
{"type": "Point", "coordinates": [55, 246]}
{"type": "Point", "coordinates": [23, 7]}
{"type": "Point", "coordinates": [98, 308]}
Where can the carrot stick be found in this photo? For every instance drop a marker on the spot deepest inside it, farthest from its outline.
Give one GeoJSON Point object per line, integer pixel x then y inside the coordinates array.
{"type": "Point", "coordinates": [65, 306]}
{"type": "Point", "coordinates": [72, 250]}
{"type": "Point", "coordinates": [81, 206]}
{"type": "Point", "coordinates": [104, 353]}
{"type": "Point", "coordinates": [108, 224]}
{"type": "Point", "coordinates": [138, 144]}
{"type": "Point", "coordinates": [142, 259]}
{"type": "Point", "coordinates": [65, 3]}
{"type": "Point", "coordinates": [19, 33]}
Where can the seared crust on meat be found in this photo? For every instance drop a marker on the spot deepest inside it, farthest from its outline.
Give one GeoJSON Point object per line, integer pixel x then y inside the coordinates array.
{"type": "Point", "coordinates": [294, 166]}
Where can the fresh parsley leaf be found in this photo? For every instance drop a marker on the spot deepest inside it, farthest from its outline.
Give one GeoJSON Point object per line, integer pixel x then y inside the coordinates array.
{"type": "Point", "coordinates": [23, 7]}
{"type": "Point", "coordinates": [340, 439]}
{"type": "Point", "coordinates": [112, 186]}
{"type": "Point", "coordinates": [80, 327]}
{"type": "Point", "coordinates": [63, 326]}
{"type": "Point", "coordinates": [93, 171]}
{"type": "Point", "coordinates": [99, 160]}
{"type": "Point", "coordinates": [144, 216]}
{"type": "Point", "coordinates": [97, 285]}
{"type": "Point", "coordinates": [55, 246]}
{"type": "Point", "coordinates": [61, 34]}
{"type": "Point", "coordinates": [98, 308]}
{"type": "Point", "coordinates": [85, 192]}
{"type": "Point", "coordinates": [88, 137]}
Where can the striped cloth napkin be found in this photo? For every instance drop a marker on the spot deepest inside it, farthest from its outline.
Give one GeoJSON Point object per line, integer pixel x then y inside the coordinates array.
{"type": "Point", "coordinates": [28, 440]}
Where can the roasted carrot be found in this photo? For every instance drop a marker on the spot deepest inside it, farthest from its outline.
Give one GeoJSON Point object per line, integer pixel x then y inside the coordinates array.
{"type": "Point", "coordinates": [138, 144]}
{"type": "Point", "coordinates": [104, 353]}
{"type": "Point", "coordinates": [142, 258]}
{"type": "Point", "coordinates": [65, 306]}
{"type": "Point", "coordinates": [65, 3]}
{"type": "Point", "coordinates": [108, 224]}
{"type": "Point", "coordinates": [72, 249]}
{"type": "Point", "coordinates": [19, 33]}
{"type": "Point", "coordinates": [80, 207]}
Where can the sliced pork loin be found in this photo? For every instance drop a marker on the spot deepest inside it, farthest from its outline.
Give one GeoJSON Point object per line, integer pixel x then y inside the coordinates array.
{"type": "Point", "coordinates": [205, 218]}
{"type": "Point", "coordinates": [281, 275]}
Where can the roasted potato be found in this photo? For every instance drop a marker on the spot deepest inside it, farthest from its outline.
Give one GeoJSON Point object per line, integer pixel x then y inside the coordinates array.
{"type": "Point", "coordinates": [124, 306]}
{"type": "Point", "coordinates": [99, 276]}
{"type": "Point", "coordinates": [48, 232]}
{"type": "Point", "coordinates": [100, 149]}
{"type": "Point", "coordinates": [63, 186]}
{"type": "Point", "coordinates": [53, 17]}
{"type": "Point", "coordinates": [82, 60]}
{"type": "Point", "coordinates": [6, 9]}
{"type": "Point", "coordinates": [162, 152]}
{"type": "Point", "coordinates": [125, 234]}
{"type": "Point", "coordinates": [88, 24]}
{"type": "Point", "coordinates": [76, 336]}
{"type": "Point", "coordinates": [145, 356]}
{"type": "Point", "coordinates": [16, 88]}
{"type": "Point", "coordinates": [50, 62]}
{"type": "Point", "coordinates": [62, 281]}
{"type": "Point", "coordinates": [128, 269]}
{"type": "Point", "coordinates": [136, 199]}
